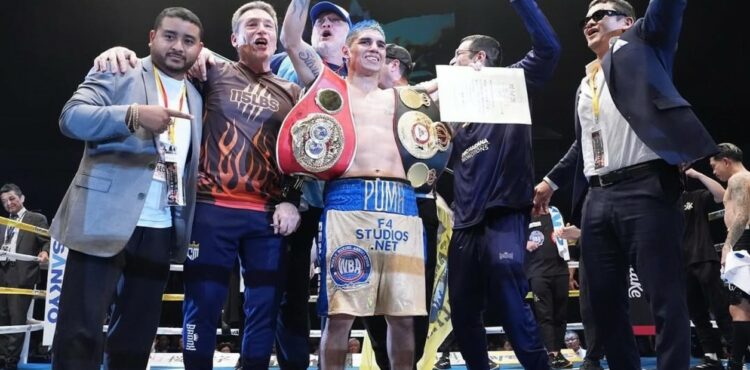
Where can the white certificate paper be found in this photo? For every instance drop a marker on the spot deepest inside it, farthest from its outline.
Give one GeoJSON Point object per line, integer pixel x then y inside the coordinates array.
{"type": "Point", "coordinates": [490, 95]}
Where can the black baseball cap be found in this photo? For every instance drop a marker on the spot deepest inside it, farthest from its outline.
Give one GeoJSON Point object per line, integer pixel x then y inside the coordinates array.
{"type": "Point", "coordinates": [393, 51]}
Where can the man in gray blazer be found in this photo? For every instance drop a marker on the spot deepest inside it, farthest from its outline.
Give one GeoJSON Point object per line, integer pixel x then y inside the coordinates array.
{"type": "Point", "coordinates": [15, 273]}
{"type": "Point", "coordinates": [130, 207]}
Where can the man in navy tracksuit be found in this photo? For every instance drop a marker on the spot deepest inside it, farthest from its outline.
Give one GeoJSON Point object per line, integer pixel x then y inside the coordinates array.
{"type": "Point", "coordinates": [493, 197]}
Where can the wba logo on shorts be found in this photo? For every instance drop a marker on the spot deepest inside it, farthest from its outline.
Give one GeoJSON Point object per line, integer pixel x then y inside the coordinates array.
{"type": "Point", "coordinates": [350, 267]}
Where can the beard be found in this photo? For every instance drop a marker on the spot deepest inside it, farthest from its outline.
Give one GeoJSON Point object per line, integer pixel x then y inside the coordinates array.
{"type": "Point", "coordinates": [172, 64]}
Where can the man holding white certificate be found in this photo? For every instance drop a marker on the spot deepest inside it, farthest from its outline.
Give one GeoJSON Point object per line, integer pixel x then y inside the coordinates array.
{"type": "Point", "coordinates": [493, 192]}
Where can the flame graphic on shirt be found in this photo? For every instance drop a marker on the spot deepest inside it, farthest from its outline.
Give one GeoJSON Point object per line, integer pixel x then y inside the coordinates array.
{"type": "Point", "coordinates": [243, 171]}
{"type": "Point", "coordinates": [238, 157]}
{"type": "Point", "coordinates": [238, 171]}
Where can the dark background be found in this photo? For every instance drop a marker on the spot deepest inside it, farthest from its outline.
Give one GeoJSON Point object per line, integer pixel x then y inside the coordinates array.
{"type": "Point", "coordinates": [48, 47]}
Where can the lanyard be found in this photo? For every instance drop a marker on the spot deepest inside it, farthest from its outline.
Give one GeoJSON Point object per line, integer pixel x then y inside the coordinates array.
{"type": "Point", "coordinates": [10, 232]}
{"type": "Point", "coordinates": [163, 92]}
{"type": "Point", "coordinates": [595, 92]}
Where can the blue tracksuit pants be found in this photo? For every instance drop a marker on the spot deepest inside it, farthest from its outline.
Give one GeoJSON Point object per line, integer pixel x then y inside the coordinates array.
{"type": "Point", "coordinates": [223, 235]}
{"type": "Point", "coordinates": [485, 271]}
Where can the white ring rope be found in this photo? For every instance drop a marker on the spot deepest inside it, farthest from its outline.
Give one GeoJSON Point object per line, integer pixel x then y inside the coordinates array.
{"type": "Point", "coordinates": [30, 258]}
{"type": "Point", "coordinates": [19, 256]}
{"type": "Point", "coordinates": [35, 325]}
{"type": "Point", "coordinates": [13, 329]}
{"type": "Point", "coordinates": [354, 333]}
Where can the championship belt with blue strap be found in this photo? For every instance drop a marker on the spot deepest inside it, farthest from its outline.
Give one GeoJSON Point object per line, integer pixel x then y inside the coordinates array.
{"type": "Point", "coordinates": [317, 137]}
{"type": "Point", "coordinates": [423, 141]}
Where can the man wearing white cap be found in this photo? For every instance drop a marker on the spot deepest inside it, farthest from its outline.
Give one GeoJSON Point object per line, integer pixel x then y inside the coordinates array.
{"type": "Point", "coordinates": [331, 24]}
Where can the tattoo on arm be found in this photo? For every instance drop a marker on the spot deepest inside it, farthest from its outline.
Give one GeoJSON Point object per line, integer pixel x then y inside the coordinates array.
{"type": "Point", "coordinates": [298, 8]}
{"type": "Point", "coordinates": [740, 199]}
{"type": "Point", "coordinates": [310, 58]}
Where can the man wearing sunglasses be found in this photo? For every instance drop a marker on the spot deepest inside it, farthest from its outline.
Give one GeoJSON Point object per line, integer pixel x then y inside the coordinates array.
{"type": "Point", "coordinates": [632, 130]}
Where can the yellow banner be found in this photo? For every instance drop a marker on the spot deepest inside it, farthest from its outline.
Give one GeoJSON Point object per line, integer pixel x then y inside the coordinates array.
{"type": "Point", "coordinates": [440, 309]}
{"type": "Point", "coordinates": [367, 361]}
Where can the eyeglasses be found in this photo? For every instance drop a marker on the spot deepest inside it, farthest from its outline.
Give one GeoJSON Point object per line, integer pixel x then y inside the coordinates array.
{"type": "Point", "coordinates": [334, 19]}
{"type": "Point", "coordinates": [463, 51]}
{"type": "Point", "coordinates": [598, 15]}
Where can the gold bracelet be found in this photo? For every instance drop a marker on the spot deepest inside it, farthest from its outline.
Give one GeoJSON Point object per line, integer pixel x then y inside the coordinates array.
{"type": "Point", "coordinates": [129, 119]}
{"type": "Point", "coordinates": [136, 119]}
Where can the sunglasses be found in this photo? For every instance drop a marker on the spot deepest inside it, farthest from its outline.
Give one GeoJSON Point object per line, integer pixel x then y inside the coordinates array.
{"type": "Point", "coordinates": [598, 15]}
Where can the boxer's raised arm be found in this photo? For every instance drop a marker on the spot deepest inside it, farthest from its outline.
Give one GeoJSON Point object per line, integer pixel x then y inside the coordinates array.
{"type": "Point", "coordinates": [305, 59]}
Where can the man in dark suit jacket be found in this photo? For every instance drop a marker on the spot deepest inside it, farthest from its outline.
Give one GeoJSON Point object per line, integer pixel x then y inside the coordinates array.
{"type": "Point", "coordinates": [18, 274]}
{"type": "Point", "coordinates": [632, 130]}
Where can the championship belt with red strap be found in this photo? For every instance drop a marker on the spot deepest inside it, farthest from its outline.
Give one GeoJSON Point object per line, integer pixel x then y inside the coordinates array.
{"type": "Point", "coordinates": [317, 137]}
{"type": "Point", "coordinates": [424, 141]}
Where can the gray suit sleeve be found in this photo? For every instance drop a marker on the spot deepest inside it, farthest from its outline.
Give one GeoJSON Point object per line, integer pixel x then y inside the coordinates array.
{"type": "Point", "coordinates": [41, 221]}
{"type": "Point", "coordinates": [90, 114]}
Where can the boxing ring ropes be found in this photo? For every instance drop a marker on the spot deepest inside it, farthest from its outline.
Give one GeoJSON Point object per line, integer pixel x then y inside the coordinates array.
{"type": "Point", "coordinates": [36, 325]}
